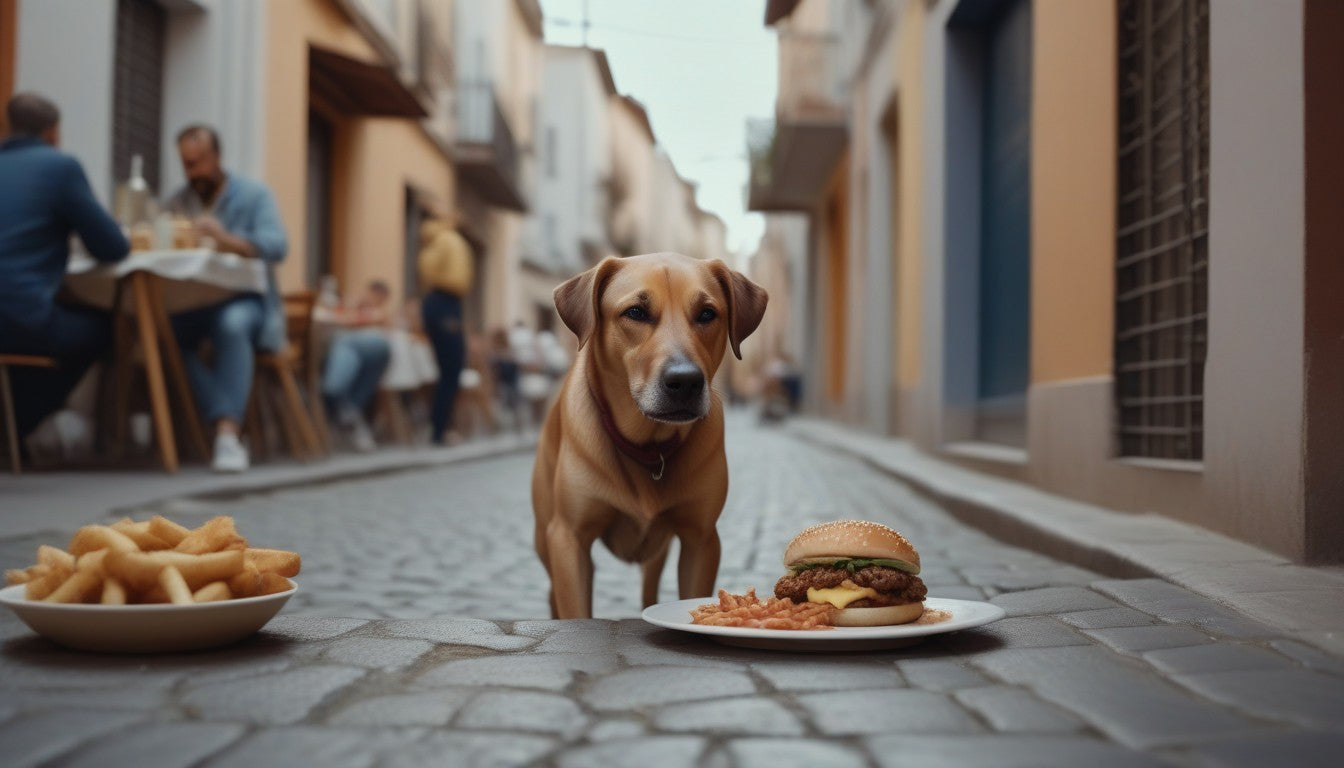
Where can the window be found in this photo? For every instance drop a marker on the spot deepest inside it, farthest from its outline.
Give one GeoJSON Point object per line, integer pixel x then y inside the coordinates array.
{"type": "Point", "coordinates": [137, 93]}
{"type": "Point", "coordinates": [1162, 254]}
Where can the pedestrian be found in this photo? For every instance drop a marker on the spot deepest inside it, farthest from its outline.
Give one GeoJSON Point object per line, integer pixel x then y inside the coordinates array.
{"type": "Point", "coordinates": [446, 272]}
{"type": "Point", "coordinates": [44, 197]}
{"type": "Point", "coordinates": [240, 216]}
{"type": "Point", "coordinates": [356, 358]}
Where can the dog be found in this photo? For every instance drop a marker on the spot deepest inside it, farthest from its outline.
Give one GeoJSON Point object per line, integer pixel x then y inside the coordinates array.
{"type": "Point", "coordinates": [631, 451]}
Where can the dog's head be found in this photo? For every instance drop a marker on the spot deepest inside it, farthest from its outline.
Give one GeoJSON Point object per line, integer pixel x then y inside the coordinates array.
{"type": "Point", "coordinates": [664, 319]}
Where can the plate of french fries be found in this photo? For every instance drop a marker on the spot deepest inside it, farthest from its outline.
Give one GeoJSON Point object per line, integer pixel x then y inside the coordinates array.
{"type": "Point", "coordinates": [151, 586]}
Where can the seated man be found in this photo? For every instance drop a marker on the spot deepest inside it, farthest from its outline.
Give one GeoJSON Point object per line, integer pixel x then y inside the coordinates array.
{"type": "Point", "coordinates": [356, 359]}
{"type": "Point", "coordinates": [44, 196]}
{"type": "Point", "coordinates": [241, 217]}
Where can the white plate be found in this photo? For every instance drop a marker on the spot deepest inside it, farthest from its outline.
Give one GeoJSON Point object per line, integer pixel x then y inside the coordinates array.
{"type": "Point", "coordinates": [965, 614]}
{"type": "Point", "coordinates": [146, 628]}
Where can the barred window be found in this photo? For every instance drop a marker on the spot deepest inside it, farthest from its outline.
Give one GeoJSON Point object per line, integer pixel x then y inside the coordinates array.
{"type": "Point", "coordinates": [137, 89]}
{"type": "Point", "coordinates": [1162, 253]}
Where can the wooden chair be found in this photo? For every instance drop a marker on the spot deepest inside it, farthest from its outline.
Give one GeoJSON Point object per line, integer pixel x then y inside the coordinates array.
{"type": "Point", "coordinates": [7, 396]}
{"type": "Point", "coordinates": [286, 367]}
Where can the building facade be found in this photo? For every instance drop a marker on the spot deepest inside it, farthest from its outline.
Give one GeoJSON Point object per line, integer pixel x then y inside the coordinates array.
{"type": "Point", "coordinates": [337, 105]}
{"type": "Point", "coordinates": [1080, 245]}
{"type": "Point", "coordinates": [566, 232]}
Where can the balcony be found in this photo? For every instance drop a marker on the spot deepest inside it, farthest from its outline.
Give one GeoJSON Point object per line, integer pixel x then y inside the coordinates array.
{"type": "Point", "coordinates": [792, 160]}
{"type": "Point", "coordinates": [487, 155]}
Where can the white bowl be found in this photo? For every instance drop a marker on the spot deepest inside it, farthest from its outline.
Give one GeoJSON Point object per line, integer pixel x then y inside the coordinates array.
{"type": "Point", "coordinates": [146, 628]}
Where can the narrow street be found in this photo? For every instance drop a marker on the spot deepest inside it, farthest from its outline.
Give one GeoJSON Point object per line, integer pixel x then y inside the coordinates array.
{"type": "Point", "coordinates": [383, 657]}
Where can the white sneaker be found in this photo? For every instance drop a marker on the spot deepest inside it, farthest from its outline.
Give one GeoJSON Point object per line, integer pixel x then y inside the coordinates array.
{"type": "Point", "coordinates": [356, 429]}
{"type": "Point", "coordinates": [361, 437]}
{"type": "Point", "coordinates": [230, 455]}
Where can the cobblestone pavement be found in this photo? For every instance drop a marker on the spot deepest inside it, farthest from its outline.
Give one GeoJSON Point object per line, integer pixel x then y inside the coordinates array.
{"type": "Point", "coordinates": [417, 637]}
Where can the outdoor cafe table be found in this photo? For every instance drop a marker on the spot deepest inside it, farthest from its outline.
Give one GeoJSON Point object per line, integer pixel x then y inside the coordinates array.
{"type": "Point", "coordinates": [151, 285]}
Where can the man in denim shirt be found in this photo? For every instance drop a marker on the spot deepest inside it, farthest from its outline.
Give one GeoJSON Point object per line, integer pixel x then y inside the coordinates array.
{"type": "Point", "coordinates": [44, 196]}
{"type": "Point", "coordinates": [241, 217]}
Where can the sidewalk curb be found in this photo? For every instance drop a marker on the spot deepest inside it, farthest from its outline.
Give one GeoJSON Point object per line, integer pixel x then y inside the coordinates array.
{"type": "Point", "coordinates": [1299, 599]}
{"type": "Point", "coordinates": [321, 475]}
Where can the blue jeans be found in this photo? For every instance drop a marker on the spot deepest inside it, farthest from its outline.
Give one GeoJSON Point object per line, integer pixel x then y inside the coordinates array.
{"type": "Point", "coordinates": [442, 315]}
{"type": "Point", "coordinates": [232, 328]}
{"type": "Point", "coordinates": [76, 337]}
{"type": "Point", "coordinates": [355, 364]}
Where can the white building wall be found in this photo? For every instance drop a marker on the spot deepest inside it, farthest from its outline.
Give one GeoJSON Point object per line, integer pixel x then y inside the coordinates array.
{"type": "Point", "coordinates": [66, 53]}
{"type": "Point", "coordinates": [573, 159]}
{"type": "Point", "coordinates": [214, 73]}
{"type": "Point", "coordinates": [1253, 382]}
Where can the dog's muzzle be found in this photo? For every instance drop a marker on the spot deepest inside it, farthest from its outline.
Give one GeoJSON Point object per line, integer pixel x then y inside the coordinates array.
{"type": "Point", "coordinates": [680, 393]}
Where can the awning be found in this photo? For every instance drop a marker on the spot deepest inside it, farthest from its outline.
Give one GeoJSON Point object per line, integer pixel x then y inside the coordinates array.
{"type": "Point", "coordinates": [359, 88]}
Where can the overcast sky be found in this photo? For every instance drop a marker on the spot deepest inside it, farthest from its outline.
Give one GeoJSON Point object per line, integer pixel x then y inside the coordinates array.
{"type": "Point", "coordinates": [701, 67]}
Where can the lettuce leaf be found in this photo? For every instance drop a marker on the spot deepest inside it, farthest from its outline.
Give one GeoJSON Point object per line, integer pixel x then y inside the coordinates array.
{"type": "Point", "coordinates": [853, 564]}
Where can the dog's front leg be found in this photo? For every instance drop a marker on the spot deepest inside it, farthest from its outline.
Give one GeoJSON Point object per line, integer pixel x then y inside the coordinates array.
{"type": "Point", "coordinates": [571, 565]}
{"type": "Point", "coordinates": [698, 563]}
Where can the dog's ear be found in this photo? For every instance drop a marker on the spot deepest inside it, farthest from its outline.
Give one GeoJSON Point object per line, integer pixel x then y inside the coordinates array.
{"type": "Point", "coordinates": [746, 303]}
{"type": "Point", "coordinates": [579, 299]}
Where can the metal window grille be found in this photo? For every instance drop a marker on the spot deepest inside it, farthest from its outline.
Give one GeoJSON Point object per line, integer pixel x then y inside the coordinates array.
{"type": "Point", "coordinates": [1162, 252]}
{"type": "Point", "coordinates": [137, 102]}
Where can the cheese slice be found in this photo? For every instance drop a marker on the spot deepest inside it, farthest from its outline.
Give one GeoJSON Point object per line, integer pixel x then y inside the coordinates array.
{"type": "Point", "coordinates": [840, 596]}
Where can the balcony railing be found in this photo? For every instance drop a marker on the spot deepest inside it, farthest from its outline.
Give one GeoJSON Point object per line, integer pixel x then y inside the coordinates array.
{"type": "Point", "coordinates": [487, 154]}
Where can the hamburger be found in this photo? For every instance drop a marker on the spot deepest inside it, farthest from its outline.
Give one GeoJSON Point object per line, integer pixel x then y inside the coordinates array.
{"type": "Point", "coordinates": [869, 572]}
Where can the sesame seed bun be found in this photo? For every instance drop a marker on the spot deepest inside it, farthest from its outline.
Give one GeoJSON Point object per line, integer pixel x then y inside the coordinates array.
{"type": "Point", "coordinates": [850, 539]}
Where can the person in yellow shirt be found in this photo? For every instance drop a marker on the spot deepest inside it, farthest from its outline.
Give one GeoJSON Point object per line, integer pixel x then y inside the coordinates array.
{"type": "Point", "coordinates": [446, 275]}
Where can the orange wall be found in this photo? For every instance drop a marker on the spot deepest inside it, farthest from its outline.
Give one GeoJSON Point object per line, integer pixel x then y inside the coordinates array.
{"type": "Point", "coordinates": [374, 159]}
{"type": "Point", "coordinates": [1072, 190]}
{"type": "Point", "coordinates": [291, 27]}
{"type": "Point", "coordinates": [907, 181]}
{"type": "Point", "coordinates": [9, 22]}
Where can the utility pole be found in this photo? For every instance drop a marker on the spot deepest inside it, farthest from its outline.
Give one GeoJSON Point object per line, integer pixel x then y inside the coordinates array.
{"type": "Point", "coordinates": [585, 23]}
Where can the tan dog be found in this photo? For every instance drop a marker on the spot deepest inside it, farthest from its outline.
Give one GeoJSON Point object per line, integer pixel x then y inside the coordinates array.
{"type": "Point", "coordinates": [632, 450]}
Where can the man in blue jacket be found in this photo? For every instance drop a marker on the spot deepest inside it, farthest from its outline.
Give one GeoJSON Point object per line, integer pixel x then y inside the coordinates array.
{"type": "Point", "coordinates": [240, 216]}
{"type": "Point", "coordinates": [44, 197]}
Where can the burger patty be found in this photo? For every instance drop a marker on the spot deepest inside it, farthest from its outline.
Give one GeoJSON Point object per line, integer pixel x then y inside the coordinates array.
{"type": "Point", "coordinates": [894, 587]}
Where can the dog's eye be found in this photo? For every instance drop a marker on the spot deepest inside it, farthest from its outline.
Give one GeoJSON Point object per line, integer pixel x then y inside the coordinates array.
{"type": "Point", "coordinates": [638, 314]}
{"type": "Point", "coordinates": [707, 315]}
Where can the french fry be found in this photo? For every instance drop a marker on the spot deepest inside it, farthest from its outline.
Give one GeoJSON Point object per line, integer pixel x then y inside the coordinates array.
{"type": "Point", "coordinates": [95, 537]}
{"type": "Point", "coordinates": [215, 590]}
{"type": "Point", "coordinates": [214, 536]}
{"type": "Point", "coordinates": [141, 535]}
{"type": "Point", "coordinates": [92, 561]}
{"type": "Point", "coordinates": [247, 583]}
{"type": "Point", "coordinates": [113, 593]}
{"type": "Point", "coordinates": [172, 582]}
{"type": "Point", "coordinates": [45, 581]}
{"type": "Point", "coordinates": [140, 570]}
{"type": "Point", "coordinates": [167, 530]}
{"type": "Point", "coordinates": [49, 555]}
{"type": "Point", "coordinates": [156, 561]}
{"type": "Point", "coordinates": [272, 583]}
{"type": "Point", "coordinates": [75, 589]}
{"type": "Point", "coordinates": [278, 561]}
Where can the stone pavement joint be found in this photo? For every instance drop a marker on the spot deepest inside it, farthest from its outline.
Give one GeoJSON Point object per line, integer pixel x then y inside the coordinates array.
{"type": "Point", "coordinates": [418, 636]}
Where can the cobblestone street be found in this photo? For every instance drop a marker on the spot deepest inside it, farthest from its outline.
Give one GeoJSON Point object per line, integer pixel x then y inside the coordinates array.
{"type": "Point", "coordinates": [419, 636]}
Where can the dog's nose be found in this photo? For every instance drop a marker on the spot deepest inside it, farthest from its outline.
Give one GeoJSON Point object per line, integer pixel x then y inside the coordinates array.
{"type": "Point", "coordinates": [683, 379]}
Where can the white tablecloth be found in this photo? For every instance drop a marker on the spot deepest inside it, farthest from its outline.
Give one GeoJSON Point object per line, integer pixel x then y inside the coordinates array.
{"type": "Point", "coordinates": [195, 278]}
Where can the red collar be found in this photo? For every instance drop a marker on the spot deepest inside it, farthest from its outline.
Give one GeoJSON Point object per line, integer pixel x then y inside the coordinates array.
{"type": "Point", "coordinates": [653, 456]}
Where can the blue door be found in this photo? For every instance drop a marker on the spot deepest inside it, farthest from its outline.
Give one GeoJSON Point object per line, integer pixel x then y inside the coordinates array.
{"type": "Point", "coordinates": [1005, 243]}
